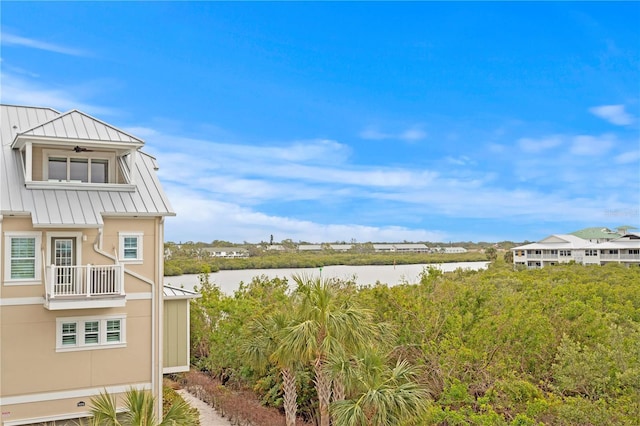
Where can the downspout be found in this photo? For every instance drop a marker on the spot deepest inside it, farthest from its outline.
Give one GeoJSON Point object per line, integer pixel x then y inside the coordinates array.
{"type": "Point", "coordinates": [159, 305]}
{"type": "Point", "coordinates": [97, 247]}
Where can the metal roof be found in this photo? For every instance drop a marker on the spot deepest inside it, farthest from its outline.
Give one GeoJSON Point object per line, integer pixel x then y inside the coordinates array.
{"type": "Point", "coordinates": [596, 233]}
{"type": "Point", "coordinates": [557, 241]}
{"type": "Point", "coordinates": [170, 292]}
{"type": "Point", "coordinates": [77, 125]}
{"type": "Point", "coordinates": [72, 207]}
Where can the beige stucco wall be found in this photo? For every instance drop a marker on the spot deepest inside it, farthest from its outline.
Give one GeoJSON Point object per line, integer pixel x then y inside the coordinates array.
{"type": "Point", "coordinates": [30, 367]}
{"type": "Point", "coordinates": [109, 244]}
{"type": "Point", "coordinates": [176, 333]}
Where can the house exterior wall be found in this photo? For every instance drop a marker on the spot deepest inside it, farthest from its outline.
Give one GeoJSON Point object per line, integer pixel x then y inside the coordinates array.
{"type": "Point", "coordinates": [554, 250]}
{"type": "Point", "coordinates": [176, 336]}
{"type": "Point", "coordinates": [37, 381]}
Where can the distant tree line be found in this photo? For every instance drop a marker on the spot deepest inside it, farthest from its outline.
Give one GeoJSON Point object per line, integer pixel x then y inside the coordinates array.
{"type": "Point", "coordinates": [189, 262]}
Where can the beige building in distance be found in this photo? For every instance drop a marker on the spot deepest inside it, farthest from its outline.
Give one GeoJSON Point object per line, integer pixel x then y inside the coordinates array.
{"type": "Point", "coordinates": [82, 303]}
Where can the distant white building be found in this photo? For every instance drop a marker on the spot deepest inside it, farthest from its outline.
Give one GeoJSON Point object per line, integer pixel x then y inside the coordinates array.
{"type": "Point", "coordinates": [564, 248]}
{"type": "Point", "coordinates": [310, 247]}
{"type": "Point", "coordinates": [228, 252]}
{"type": "Point", "coordinates": [452, 250]}
{"type": "Point", "coordinates": [449, 250]}
{"type": "Point", "coordinates": [341, 247]}
{"type": "Point", "coordinates": [401, 248]}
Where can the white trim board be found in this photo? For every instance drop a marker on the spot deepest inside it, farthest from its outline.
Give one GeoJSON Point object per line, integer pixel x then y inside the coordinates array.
{"type": "Point", "coordinates": [77, 393]}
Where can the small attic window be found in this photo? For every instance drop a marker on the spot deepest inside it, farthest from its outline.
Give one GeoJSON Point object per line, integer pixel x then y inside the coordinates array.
{"type": "Point", "coordinates": [78, 168]}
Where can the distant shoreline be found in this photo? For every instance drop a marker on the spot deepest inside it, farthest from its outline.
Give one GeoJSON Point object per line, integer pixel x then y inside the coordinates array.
{"type": "Point", "coordinates": [229, 280]}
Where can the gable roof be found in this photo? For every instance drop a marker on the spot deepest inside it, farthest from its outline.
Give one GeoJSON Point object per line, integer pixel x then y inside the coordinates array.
{"type": "Point", "coordinates": [77, 125]}
{"type": "Point", "coordinates": [556, 241]}
{"type": "Point", "coordinates": [596, 233]}
{"type": "Point", "coordinates": [70, 207]}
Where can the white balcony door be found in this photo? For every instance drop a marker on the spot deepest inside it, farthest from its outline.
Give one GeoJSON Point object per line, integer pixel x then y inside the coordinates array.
{"type": "Point", "coordinates": [63, 257]}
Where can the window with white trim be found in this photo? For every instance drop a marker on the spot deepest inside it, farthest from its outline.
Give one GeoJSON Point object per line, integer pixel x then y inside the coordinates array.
{"type": "Point", "coordinates": [130, 246]}
{"type": "Point", "coordinates": [83, 167]}
{"type": "Point", "coordinates": [84, 333]}
{"type": "Point", "coordinates": [23, 257]}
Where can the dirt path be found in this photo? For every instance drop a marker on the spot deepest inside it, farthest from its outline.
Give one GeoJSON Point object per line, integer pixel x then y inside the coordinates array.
{"type": "Point", "coordinates": [208, 416]}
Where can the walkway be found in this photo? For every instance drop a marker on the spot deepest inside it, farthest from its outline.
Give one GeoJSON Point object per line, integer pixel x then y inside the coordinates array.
{"type": "Point", "coordinates": [208, 416]}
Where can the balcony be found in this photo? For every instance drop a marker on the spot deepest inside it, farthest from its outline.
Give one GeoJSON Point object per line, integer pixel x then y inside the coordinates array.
{"type": "Point", "coordinates": [84, 287]}
{"type": "Point", "coordinates": [630, 256]}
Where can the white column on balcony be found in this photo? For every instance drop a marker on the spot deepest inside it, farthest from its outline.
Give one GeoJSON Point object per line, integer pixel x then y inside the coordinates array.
{"type": "Point", "coordinates": [28, 162]}
{"type": "Point", "coordinates": [121, 278]}
{"type": "Point", "coordinates": [87, 280]}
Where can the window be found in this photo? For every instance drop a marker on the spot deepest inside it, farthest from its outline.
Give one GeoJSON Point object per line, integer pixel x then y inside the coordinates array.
{"type": "Point", "coordinates": [565, 253]}
{"type": "Point", "coordinates": [78, 167]}
{"type": "Point", "coordinates": [90, 333]}
{"type": "Point", "coordinates": [23, 257]}
{"type": "Point", "coordinates": [130, 246]}
{"type": "Point", "coordinates": [591, 252]}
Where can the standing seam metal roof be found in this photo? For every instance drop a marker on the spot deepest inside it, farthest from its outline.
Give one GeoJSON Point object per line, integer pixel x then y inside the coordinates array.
{"type": "Point", "coordinates": [72, 207]}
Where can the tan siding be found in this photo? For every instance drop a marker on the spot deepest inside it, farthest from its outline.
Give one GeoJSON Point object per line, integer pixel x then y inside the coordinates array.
{"type": "Point", "coordinates": [36, 170]}
{"type": "Point", "coordinates": [175, 333]}
{"type": "Point", "coordinates": [35, 366]}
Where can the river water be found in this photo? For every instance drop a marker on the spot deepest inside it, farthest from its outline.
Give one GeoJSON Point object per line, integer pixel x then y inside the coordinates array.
{"type": "Point", "coordinates": [229, 281]}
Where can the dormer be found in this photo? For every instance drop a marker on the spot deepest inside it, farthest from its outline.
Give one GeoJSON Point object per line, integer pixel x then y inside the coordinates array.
{"type": "Point", "coordinates": [77, 151]}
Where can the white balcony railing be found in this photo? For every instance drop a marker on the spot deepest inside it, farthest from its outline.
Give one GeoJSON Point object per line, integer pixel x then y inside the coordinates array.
{"type": "Point", "coordinates": [609, 256]}
{"type": "Point", "coordinates": [84, 281]}
{"type": "Point", "coordinates": [630, 256]}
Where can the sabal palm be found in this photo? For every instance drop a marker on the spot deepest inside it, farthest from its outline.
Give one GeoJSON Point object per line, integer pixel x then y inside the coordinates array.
{"type": "Point", "coordinates": [327, 323]}
{"type": "Point", "coordinates": [140, 411]}
{"type": "Point", "coordinates": [382, 396]}
{"type": "Point", "coordinates": [262, 349]}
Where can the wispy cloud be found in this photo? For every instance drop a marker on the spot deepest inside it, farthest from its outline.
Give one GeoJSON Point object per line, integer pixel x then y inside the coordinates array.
{"type": "Point", "coordinates": [614, 114]}
{"type": "Point", "coordinates": [273, 177]}
{"type": "Point", "coordinates": [8, 39]}
{"type": "Point", "coordinates": [240, 223]}
{"type": "Point", "coordinates": [21, 91]}
{"type": "Point", "coordinates": [591, 145]}
{"type": "Point", "coordinates": [628, 157]}
{"type": "Point", "coordinates": [538, 145]}
{"type": "Point", "coordinates": [412, 134]}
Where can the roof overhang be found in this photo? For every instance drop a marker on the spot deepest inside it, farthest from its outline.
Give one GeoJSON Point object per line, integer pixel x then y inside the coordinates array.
{"type": "Point", "coordinates": [21, 140]}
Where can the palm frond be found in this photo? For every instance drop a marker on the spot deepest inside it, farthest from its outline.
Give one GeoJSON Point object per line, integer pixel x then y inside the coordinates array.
{"type": "Point", "coordinates": [104, 410]}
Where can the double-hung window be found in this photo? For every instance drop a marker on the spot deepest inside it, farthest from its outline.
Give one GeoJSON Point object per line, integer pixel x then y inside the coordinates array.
{"type": "Point", "coordinates": [83, 333]}
{"type": "Point", "coordinates": [23, 257]}
{"type": "Point", "coordinates": [130, 246]}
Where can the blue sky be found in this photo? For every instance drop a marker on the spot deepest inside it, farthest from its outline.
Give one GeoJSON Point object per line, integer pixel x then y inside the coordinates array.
{"type": "Point", "coordinates": [368, 121]}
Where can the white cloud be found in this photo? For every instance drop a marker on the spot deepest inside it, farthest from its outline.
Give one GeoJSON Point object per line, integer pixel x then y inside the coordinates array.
{"type": "Point", "coordinates": [628, 157]}
{"type": "Point", "coordinates": [412, 134]}
{"type": "Point", "coordinates": [15, 40]}
{"type": "Point", "coordinates": [539, 145]}
{"type": "Point", "coordinates": [232, 222]}
{"type": "Point", "coordinates": [461, 160]}
{"type": "Point", "coordinates": [591, 145]}
{"type": "Point", "coordinates": [614, 114]}
{"type": "Point", "coordinates": [18, 91]}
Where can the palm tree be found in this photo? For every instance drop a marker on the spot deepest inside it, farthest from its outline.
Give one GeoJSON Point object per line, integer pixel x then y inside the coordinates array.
{"type": "Point", "coordinates": [140, 411]}
{"type": "Point", "coordinates": [328, 323]}
{"type": "Point", "coordinates": [262, 349]}
{"type": "Point", "coordinates": [382, 396]}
